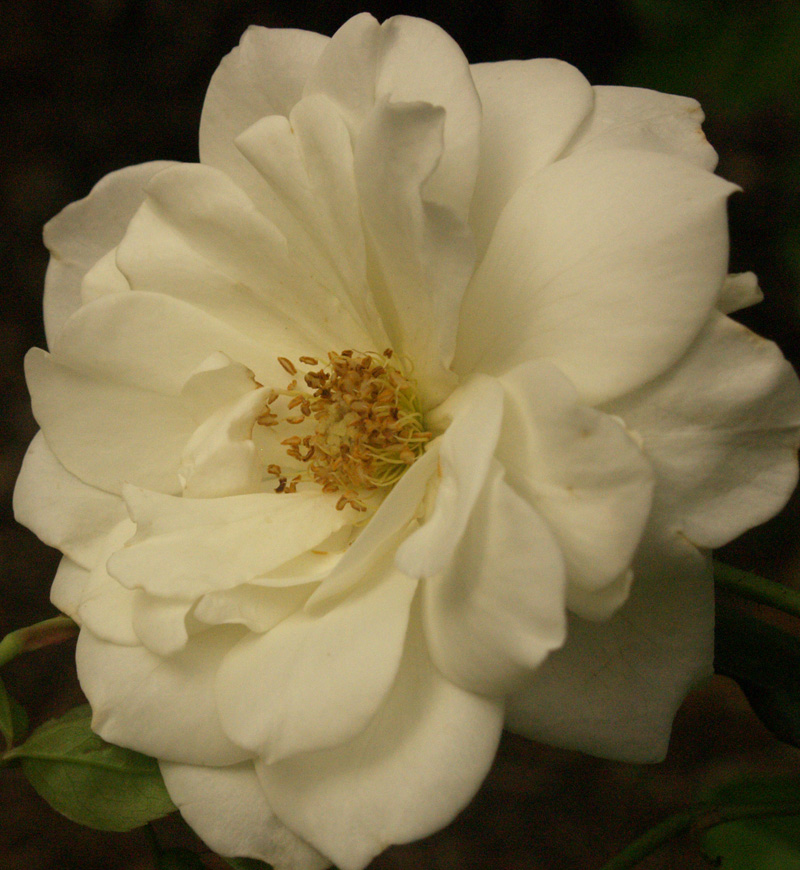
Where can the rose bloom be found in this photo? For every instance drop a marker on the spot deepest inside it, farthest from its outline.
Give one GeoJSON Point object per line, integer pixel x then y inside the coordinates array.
{"type": "Point", "coordinates": [410, 412]}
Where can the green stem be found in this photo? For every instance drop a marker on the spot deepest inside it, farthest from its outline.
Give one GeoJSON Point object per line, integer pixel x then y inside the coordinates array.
{"type": "Point", "coordinates": [32, 637]}
{"type": "Point", "coordinates": [699, 818]}
{"type": "Point", "coordinates": [756, 588]}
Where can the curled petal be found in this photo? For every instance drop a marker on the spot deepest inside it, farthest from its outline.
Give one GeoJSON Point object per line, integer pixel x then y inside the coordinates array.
{"type": "Point", "coordinates": [83, 233]}
{"type": "Point", "coordinates": [615, 686]}
{"type": "Point", "coordinates": [227, 808]}
{"type": "Point", "coordinates": [176, 719]}
{"type": "Point", "coordinates": [416, 764]}
{"type": "Point", "coordinates": [722, 429]}
{"type": "Point", "coordinates": [606, 263]}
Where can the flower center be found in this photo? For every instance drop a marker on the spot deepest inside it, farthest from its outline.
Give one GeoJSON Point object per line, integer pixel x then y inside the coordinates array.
{"type": "Point", "coordinates": [362, 425]}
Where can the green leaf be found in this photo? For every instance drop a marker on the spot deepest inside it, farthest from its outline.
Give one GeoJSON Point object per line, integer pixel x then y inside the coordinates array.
{"type": "Point", "coordinates": [765, 661]}
{"type": "Point", "coordinates": [13, 719]}
{"type": "Point", "coordinates": [770, 842]}
{"type": "Point", "coordinates": [90, 781]}
{"type": "Point", "coordinates": [246, 864]}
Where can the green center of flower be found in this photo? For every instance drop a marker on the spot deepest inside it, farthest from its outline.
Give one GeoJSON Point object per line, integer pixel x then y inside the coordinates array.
{"type": "Point", "coordinates": [359, 420]}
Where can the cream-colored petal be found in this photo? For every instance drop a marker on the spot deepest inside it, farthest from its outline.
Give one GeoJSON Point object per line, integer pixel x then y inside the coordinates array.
{"type": "Point", "coordinates": [263, 76]}
{"type": "Point", "coordinates": [163, 707]}
{"type": "Point", "coordinates": [531, 110]}
{"type": "Point", "coordinates": [226, 806]}
{"type": "Point", "coordinates": [722, 429]}
{"type": "Point", "coordinates": [260, 608]}
{"type": "Point", "coordinates": [607, 264]}
{"type": "Point", "coordinates": [315, 680]}
{"type": "Point", "coordinates": [465, 456]}
{"type": "Point", "coordinates": [614, 688]}
{"type": "Point", "coordinates": [647, 121]}
{"type": "Point", "coordinates": [185, 547]}
{"type": "Point", "coordinates": [413, 768]}
{"type": "Point", "coordinates": [68, 587]}
{"type": "Point", "coordinates": [407, 60]}
{"type": "Point", "coordinates": [83, 233]}
{"type": "Point", "coordinates": [423, 254]}
{"type": "Point", "coordinates": [498, 609]}
{"type": "Point", "coordinates": [107, 433]}
{"type": "Point", "coordinates": [584, 474]}
{"type": "Point", "coordinates": [60, 509]}
{"type": "Point", "coordinates": [739, 290]}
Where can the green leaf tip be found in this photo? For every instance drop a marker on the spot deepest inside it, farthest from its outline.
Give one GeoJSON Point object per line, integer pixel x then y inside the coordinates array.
{"type": "Point", "coordinates": [89, 781]}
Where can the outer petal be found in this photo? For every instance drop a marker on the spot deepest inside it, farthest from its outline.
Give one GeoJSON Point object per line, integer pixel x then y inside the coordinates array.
{"type": "Point", "coordinates": [412, 769]}
{"type": "Point", "coordinates": [584, 474]}
{"type": "Point", "coordinates": [315, 681]}
{"type": "Point", "coordinates": [68, 587]}
{"type": "Point", "coordinates": [83, 232]}
{"type": "Point", "coordinates": [60, 509]}
{"type": "Point", "coordinates": [106, 433]}
{"type": "Point", "coordinates": [647, 121]}
{"type": "Point", "coordinates": [227, 808]}
{"type": "Point", "coordinates": [263, 76]}
{"type": "Point", "coordinates": [615, 686]}
{"type": "Point", "coordinates": [722, 429]}
{"type": "Point", "coordinates": [162, 707]}
{"type": "Point", "coordinates": [407, 60]}
{"type": "Point", "coordinates": [499, 608]}
{"type": "Point", "coordinates": [607, 264]}
{"type": "Point", "coordinates": [531, 110]}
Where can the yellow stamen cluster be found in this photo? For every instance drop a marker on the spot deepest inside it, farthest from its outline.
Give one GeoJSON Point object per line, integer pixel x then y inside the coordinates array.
{"type": "Point", "coordinates": [367, 424]}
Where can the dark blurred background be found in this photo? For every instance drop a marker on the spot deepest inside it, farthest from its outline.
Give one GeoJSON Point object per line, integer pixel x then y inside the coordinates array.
{"type": "Point", "coordinates": [90, 86]}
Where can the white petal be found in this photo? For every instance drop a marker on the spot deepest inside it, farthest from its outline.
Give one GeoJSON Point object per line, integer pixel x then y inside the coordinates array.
{"type": "Point", "coordinates": [68, 587]}
{"type": "Point", "coordinates": [259, 608]}
{"type": "Point", "coordinates": [83, 232]}
{"type": "Point", "coordinates": [648, 121]}
{"type": "Point", "coordinates": [531, 110]}
{"type": "Point", "coordinates": [307, 161]}
{"type": "Point", "coordinates": [221, 458]}
{"type": "Point", "coordinates": [615, 686]}
{"type": "Point", "coordinates": [227, 808]}
{"type": "Point", "coordinates": [407, 60]}
{"type": "Point", "coordinates": [151, 341]}
{"type": "Point", "coordinates": [160, 624]}
{"type": "Point", "coordinates": [316, 680]}
{"type": "Point", "coordinates": [402, 507]}
{"type": "Point", "coordinates": [424, 256]}
{"type": "Point", "coordinates": [219, 221]}
{"type": "Point", "coordinates": [582, 472]}
{"type": "Point", "coordinates": [106, 608]}
{"type": "Point", "coordinates": [413, 768]}
{"type": "Point", "coordinates": [465, 455]}
{"type": "Point", "coordinates": [722, 429]}
{"type": "Point", "coordinates": [740, 290]}
{"type": "Point", "coordinates": [499, 608]}
{"type": "Point", "coordinates": [187, 547]}
{"type": "Point", "coordinates": [106, 433]}
{"type": "Point", "coordinates": [60, 509]}
{"type": "Point", "coordinates": [607, 263]}
{"type": "Point", "coordinates": [161, 707]}
{"type": "Point", "coordinates": [263, 76]}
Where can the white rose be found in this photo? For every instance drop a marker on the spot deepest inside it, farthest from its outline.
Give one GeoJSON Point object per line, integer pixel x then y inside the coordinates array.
{"type": "Point", "coordinates": [511, 524]}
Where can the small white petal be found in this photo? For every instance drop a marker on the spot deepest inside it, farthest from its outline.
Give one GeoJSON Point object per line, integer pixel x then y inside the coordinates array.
{"type": "Point", "coordinates": [176, 718]}
{"type": "Point", "coordinates": [739, 290]}
{"type": "Point", "coordinates": [83, 233]}
{"type": "Point", "coordinates": [226, 806]}
{"type": "Point", "coordinates": [647, 121]}
{"type": "Point", "coordinates": [315, 680]}
{"type": "Point", "coordinates": [413, 768]}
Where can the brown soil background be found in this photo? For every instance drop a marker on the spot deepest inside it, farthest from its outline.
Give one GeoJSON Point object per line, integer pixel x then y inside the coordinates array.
{"type": "Point", "coordinates": [96, 85]}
